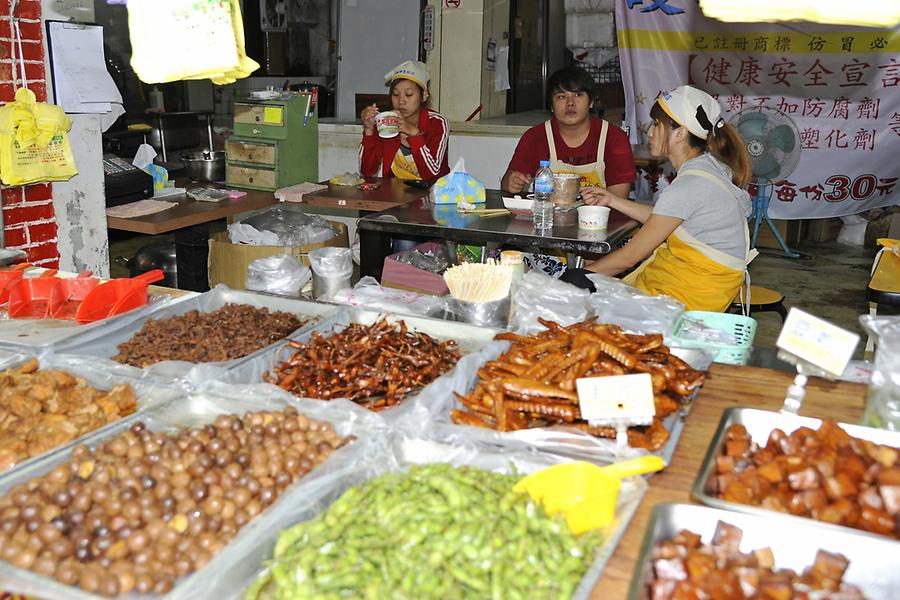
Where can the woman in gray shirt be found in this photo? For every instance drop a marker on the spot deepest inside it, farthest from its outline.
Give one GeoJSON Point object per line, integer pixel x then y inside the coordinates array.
{"type": "Point", "coordinates": [696, 235]}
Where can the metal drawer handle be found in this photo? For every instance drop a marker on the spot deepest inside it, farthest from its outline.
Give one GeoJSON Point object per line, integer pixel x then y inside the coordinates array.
{"type": "Point", "coordinates": [256, 131]}
{"type": "Point", "coordinates": [249, 157]}
{"type": "Point", "coordinates": [250, 179]}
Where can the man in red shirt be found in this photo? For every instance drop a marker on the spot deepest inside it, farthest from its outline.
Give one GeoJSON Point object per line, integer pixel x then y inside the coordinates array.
{"type": "Point", "coordinates": [574, 141]}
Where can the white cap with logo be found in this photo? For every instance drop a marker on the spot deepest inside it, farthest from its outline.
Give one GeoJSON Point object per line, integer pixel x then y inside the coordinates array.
{"type": "Point", "coordinates": [414, 70]}
{"type": "Point", "coordinates": [694, 109]}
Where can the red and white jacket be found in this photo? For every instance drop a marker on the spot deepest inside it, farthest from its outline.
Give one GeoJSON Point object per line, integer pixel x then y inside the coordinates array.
{"type": "Point", "coordinates": [429, 149]}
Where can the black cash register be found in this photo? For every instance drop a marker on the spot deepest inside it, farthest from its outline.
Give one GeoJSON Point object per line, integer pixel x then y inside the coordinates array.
{"type": "Point", "coordinates": [124, 182]}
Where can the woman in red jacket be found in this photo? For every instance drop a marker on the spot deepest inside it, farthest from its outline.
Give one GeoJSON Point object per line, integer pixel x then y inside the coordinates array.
{"type": "Point", "coordinates": [420, 150]}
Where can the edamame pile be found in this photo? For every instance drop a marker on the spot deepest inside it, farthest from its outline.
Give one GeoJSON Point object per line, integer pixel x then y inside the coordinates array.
{"type": "Point", "coordinates": [434, 531]}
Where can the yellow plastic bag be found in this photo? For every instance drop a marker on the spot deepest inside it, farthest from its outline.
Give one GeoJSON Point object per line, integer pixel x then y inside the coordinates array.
{"type": "Point", "coordinates": [34, 145]}
{"type": "Point", "coordinates": [173, 40]}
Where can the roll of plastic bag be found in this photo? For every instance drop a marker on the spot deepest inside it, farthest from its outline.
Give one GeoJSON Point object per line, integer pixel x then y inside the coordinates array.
{"type": "Point", "coordinates": [280, 274]}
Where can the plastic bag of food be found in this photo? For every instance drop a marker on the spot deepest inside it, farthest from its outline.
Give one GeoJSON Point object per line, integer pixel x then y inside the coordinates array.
{"type": "Point", "coordinates": [538, 295]}
{"type": "Point", "coordinates": [369, 294]}
{"type": "Point", "coordinates": [281, 274]}
{"type": "Point", "coordinates": [291, 225]}
{"type": "Point", "coordinates": [624, 305]}
{"type": "Point", "coordinates": [883, 402]}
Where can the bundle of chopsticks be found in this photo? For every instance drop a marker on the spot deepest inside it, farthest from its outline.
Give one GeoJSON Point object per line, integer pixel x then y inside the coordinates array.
{"type": "Point", "coordinates": [476, 282]}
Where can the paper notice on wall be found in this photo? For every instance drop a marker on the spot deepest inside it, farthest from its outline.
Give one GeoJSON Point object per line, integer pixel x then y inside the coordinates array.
{"type": "Point", "coordinates": [501, 75]}
{"type": "Point", "coordinates": [81, 83]}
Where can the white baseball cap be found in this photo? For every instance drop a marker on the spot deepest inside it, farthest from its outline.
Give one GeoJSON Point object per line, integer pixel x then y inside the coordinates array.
{"type": "Point", "coordinates": [692, 108]}
{"type": "Point", "coordinates": [415, 71]}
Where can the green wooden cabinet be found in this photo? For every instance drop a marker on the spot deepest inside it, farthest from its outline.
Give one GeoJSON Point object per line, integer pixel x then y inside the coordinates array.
{"type": "Point", "coordinates": [272, 147]}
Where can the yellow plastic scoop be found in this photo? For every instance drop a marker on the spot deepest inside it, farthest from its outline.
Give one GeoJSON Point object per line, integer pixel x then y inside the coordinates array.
{"type": "Point", "coordinates": [585, 493]}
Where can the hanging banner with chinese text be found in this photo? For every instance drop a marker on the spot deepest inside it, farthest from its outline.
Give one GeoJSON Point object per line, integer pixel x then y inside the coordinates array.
{"type": "Point", "coordinates": [839, 85]}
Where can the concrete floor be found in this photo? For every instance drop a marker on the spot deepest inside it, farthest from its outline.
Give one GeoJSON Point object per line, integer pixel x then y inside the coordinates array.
{"type": "Point", "coordinates": [830, 284]}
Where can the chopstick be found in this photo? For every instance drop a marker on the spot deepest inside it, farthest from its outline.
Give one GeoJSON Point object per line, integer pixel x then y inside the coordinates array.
{"type": "Point", "coordinates": [485, 212]}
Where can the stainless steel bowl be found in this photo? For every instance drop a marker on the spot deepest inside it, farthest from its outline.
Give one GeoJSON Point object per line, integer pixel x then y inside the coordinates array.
{"type": "Point", "coordinates": [205, 165]}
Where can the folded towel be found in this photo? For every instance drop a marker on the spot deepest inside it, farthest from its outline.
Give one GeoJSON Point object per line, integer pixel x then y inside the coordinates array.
{"type": "Point", "coordinates": [295, 193]}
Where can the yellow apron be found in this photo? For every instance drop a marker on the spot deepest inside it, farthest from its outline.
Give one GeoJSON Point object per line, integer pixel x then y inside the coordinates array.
{"type": "Point", "coordinates": [689, 270]}
{"type": "Point", "coordinates": [591, 174]}
{"type": "Point", "coordinates": [404, 167]}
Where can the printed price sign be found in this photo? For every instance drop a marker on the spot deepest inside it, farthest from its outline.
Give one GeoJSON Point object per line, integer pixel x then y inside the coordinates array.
{"type": "Point", "coordinates": [617, 400]}
{"type": "Point", "coordinates": [817, 341]}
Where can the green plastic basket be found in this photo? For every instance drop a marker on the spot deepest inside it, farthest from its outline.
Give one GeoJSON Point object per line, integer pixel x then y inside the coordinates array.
{"type": "Point", "coordinates": [741, 327]}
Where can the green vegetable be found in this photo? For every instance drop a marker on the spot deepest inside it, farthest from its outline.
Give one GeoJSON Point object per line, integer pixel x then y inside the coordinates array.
{"type": "Point", "coordinates": [434, 531]}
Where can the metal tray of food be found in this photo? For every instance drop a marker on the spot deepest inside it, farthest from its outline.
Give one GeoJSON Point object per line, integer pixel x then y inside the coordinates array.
{"type": "Point", "coordinates": [570, 442]}
{"type": "Point", "coordinates": [105, 347]}
{"type": "Point", "coordinates": [759, 424]}
{"type": "Point", "coordinates": [403, 452]}
{"type": "Point", "coordinates": [794, 543]}
{"type": "Point", "coordinates": [146, 395]}
{"type": "Point", "coordinates": [197, 410]}
{"type": "Point", "coordinates": [469, 340]}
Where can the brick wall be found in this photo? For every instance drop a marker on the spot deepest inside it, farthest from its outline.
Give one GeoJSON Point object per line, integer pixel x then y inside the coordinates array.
{"type": "Point", "coordinates": [29, 222]}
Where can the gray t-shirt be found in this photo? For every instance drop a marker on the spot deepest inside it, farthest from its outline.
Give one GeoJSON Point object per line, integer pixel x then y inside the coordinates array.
{"type": "Point", "coordinates": [711, 215]}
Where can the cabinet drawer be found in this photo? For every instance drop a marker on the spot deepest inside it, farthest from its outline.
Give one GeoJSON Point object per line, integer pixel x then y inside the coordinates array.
{"type": "Point", "coordinates": [251, 152]}
{"type": "Point", "coordinates": [259, 114]}
{"type": "Point", "coordinates": [249, 177]}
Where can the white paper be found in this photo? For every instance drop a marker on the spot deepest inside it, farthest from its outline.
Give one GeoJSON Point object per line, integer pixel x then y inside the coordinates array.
{"type": "Point", "coordinates": [817, 341]}
{"type": "Point", "coordinates": [617, 399]}
{"type": "Point", "coordinates": [81, 82]}
{"type": "Point", "coordinates": [501, 75]}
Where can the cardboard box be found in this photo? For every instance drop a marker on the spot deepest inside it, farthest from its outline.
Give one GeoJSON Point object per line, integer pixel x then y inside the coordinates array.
{"type": "Point", "coordinates": [792, 232]}
{"type": "Point", "coordinates": [402, 276]}
{"type": "Point", "coordinates": [824, 230]}
{"type": "Point", "coordinates": [228, 262]}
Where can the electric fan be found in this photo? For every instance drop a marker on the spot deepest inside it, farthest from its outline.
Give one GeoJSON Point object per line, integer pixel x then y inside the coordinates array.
{"type": "Point", "coordinates": [773, 142]}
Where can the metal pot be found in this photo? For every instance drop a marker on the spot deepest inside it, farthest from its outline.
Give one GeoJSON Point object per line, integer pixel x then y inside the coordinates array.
{"type": "Point", "coordinates": [155, 255]}
{"type": "Point", "coordinates": [205, 165]}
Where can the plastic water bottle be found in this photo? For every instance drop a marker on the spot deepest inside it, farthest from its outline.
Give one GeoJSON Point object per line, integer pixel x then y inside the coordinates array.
{"type": "Point", "coordinates": [542, 207]}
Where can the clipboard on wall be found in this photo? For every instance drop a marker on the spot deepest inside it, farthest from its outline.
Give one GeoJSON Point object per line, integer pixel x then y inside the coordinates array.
{"type": "Point", "coordinates": [81, 83]}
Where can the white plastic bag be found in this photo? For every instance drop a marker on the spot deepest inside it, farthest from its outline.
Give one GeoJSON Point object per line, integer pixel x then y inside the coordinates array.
{"type": "Point", "coordinates": [618, 303]}
{"type": "Point", "coordinates": [853, 231]}
{"type": "Point", "coordinates": [281, 274]}
{"type": "Point", "coordinates": [244, 233]}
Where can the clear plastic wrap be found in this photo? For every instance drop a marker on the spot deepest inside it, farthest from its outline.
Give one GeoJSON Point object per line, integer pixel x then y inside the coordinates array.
{"type": "Point", "coordinates": [147, 395]}
{"type": "Point", "coordinates": [470, 340]}
{"type": "Point", "coordinates": [369, 294]}
{"type": "Point", "coordinates": [100, 350]}
{"type": "Point", "coordinates": [431, 411]}
{"type": "Point", "coordinates": [292, 226]}
{"type": "Point", "coordinates": [693, 329]}
{"type": "Point", "coordinates": [537, 295]}
{"type": "Point", "coordinates": [883, 401]}
{"type": "Point", "coordinates": [238, 561]}
{"type": "Point", "coordinates": [405, 451]}
{"type": "Point", "coordinates": [628, 307]}
{"type": "Point", "coordinates": [281, 274]}
{"type": "Point", "coordinates": [426, 261]}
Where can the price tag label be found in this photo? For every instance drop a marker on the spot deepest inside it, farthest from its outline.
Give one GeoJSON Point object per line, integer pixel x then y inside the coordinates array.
{"type": "Point", "coordinates": [817, 341]}
{"type": "Point", "coordinates": [618, 399]}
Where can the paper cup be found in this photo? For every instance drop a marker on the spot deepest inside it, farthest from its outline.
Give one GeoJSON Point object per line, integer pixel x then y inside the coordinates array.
{"type": "Point", "coordinates": [387, 123]}
{"type": "Point", "coordinates": [593, 217]}
{"type": "Point", "coordinates": [591, 235]}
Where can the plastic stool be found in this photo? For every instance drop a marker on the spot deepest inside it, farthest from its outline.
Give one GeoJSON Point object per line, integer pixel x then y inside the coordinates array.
{"type": "Point", "coordinates": [761, 300]}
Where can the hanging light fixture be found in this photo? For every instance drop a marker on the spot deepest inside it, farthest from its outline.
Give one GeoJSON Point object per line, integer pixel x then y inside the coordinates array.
{"type": "Point", "coordinates": [866, 13]}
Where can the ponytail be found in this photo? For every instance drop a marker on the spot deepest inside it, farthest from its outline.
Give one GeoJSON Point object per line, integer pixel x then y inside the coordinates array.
{"type": "Point", "coordinates": [726, 144]}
